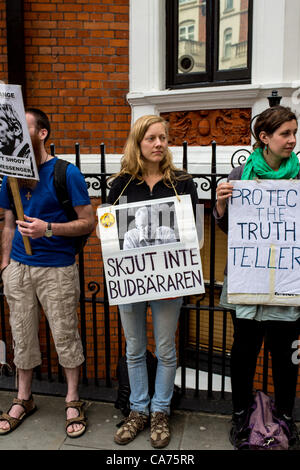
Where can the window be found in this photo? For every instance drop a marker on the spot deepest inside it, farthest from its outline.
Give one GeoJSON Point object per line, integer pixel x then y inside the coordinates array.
{"type": "Point", "coordinates": [187, 31]}
{"type": "Point", "coordinates": [228, 5]}
{"type": "Point", "coordinates": [208, 42]}
{"type": "Point", "coordinates": [227, 43]}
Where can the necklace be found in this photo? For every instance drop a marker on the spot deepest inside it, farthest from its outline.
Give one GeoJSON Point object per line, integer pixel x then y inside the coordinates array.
{"type": "Point", "coordinates": [48, 157]}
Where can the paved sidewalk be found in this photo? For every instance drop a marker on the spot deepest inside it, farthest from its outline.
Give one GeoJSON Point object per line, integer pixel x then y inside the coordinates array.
{"type": "Point", "coordinates": [44, 430]}
{"type": "Point", "coordinates": [193, 433]}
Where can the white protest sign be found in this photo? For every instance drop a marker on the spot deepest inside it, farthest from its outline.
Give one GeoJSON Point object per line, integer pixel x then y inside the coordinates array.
{"type": "Point", "coordinates": [150, 250]}
{"type": "Point", "coordinates": [16, 152]}
{"type": "Point", "coordinates": [264, 242]}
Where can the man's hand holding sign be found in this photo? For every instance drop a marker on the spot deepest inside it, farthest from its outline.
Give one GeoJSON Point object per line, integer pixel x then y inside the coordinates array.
{"type": "Point", "coordinates": [13, 183]}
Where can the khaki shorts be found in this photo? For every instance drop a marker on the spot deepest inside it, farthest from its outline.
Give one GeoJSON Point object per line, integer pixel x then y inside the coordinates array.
{"type": "Point", "coordinates": [26, 288]}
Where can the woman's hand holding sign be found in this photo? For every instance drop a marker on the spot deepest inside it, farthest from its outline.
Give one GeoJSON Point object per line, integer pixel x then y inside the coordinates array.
{"type": "Point", "coordinates": [224, 192]}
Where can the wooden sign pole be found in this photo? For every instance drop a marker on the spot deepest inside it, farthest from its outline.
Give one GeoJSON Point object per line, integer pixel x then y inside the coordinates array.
{"type": "Point", "coordinates": [19, 209]}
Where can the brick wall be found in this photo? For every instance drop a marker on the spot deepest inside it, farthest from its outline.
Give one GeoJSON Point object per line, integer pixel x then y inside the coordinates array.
{"type": "Point", "coordinates": [77, 70]}
{"type": "Point", "coordinates": [244, 21]}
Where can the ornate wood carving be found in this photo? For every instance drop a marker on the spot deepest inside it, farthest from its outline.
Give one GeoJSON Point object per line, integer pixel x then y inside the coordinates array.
{"type": "Point", "coordinates": [225, 126]}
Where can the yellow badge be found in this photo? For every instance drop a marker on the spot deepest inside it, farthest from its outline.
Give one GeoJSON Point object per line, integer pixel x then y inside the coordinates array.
{"type": "Point", "coordinates": [107, 219]}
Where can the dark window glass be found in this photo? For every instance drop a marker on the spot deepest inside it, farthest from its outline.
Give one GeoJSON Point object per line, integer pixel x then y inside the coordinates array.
{"type": "Point", "coordinates": [208, 42]}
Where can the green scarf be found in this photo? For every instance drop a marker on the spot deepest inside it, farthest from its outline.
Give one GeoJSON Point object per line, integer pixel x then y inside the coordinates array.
{"type": "Point", "coordinates": [257, 167]}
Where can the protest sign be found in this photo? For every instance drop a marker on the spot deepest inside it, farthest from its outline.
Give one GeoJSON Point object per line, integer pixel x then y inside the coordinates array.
{"type": "Point", "coordinates": [264, 242]}
{"type": "Point", "coordinates": [16, 153]}
{"type": "Point", "coordinates": [150, 250]}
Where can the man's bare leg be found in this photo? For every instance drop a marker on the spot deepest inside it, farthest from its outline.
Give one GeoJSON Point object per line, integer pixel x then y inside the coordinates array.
{"type": "Point", "coordinates": [24, 393]}
{"type": "Point", "coordinates": [72, 376]}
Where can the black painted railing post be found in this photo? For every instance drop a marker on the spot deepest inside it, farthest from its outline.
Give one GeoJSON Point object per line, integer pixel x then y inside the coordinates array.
{"type": "Point", "coordinates": [2, 314]}
{"type": "Point", "coordinates": [82, 288]}
{"type": "Point", "coordinates": [61, 377]}
{"type": "Point", "coordinates": [223, 366]}
{"type": "Point", "coordinates": [184, 156]}
{"type": "Point", "coordinates": [15, 42]}
{"type": "Point", "coordinates": [120, 336]}
{"type": "Point", "coordinates": [103, 173]}
{"type": "Point", "coordinates": [95, 287]}
{"type": "Point", "coordinates": [212, 271]}
{"type": "Point", "coordinates": [197, 362]}
{"type": "Point", "coordinates": [77, 156]}
{"type": "Point", "coordinates": [182, 349]}
{"type": "Point", "coordinates": [184, 315]}
{"type": "Point", "coordinates": [265, 369]}
{"type": "Point", "coordinates": [52, 149]}
{"type": "Point", "coordinates": [105, 295]}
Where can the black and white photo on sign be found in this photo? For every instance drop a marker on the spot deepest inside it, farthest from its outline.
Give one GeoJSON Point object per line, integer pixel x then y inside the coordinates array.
{"type": "Point", "coordinates": [151, 251]}
{"type": "Point", "coordinates": [148, 225]}
{"type": "Point", "coordinates": [11, 133]}
{"type": "Point", "coordinates": [16, 152]}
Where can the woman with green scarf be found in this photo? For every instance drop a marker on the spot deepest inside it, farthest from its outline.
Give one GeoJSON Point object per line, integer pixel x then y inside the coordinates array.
{"type": "Point", "coordinates": [273, 158]}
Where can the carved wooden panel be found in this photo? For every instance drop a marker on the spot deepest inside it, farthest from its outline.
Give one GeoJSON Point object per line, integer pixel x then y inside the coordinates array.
{"type": "Point", "coordinates": [224, 126]}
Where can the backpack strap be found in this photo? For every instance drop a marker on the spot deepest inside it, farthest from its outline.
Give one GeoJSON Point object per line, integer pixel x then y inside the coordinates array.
{"type": "Point", "coordinates": [60, 184]}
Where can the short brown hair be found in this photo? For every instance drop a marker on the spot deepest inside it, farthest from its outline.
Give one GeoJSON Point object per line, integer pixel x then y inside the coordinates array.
{"type": "Point", "coordinates": [270, 120]}
{"type": "Point", "coordinates": [41, 120]}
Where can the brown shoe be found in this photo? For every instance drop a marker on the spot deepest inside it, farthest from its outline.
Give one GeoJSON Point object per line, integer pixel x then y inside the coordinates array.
{"type": "Point", "coordinates": [28, 407]}
{"type": "Point", "coordinates": [132, 425]}
{"type": "Point", "coordinates": [79, 419]}
{"type": "Point", "coordinates": [160, 431]}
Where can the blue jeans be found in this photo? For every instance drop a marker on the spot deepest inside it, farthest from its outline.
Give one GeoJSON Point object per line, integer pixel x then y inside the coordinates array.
{"type": "Point", "coordinates": [165, 314]}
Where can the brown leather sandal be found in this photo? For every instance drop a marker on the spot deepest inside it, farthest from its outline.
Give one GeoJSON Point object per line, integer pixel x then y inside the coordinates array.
{"type": "Point", "coordinates": [80, 419]}
{"type": "Point", "coordinates": [29, 408]}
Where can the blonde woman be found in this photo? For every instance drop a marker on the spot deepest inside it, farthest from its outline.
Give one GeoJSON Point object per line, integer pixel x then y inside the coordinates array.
{"type": "Point", "coordinates": [147, 172]}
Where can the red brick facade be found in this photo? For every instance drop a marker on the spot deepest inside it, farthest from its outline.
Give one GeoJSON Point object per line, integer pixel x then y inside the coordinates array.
{"type": "Point", "coordinates": [77, 70]}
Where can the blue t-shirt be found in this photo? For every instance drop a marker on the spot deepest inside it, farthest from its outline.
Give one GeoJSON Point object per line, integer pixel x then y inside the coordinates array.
{"type": "Point", "coordinates": [43, 204]}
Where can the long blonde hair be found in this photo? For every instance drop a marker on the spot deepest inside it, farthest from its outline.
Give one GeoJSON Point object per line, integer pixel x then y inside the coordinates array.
{"type": "Point", "coordinates": [133, 163]}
